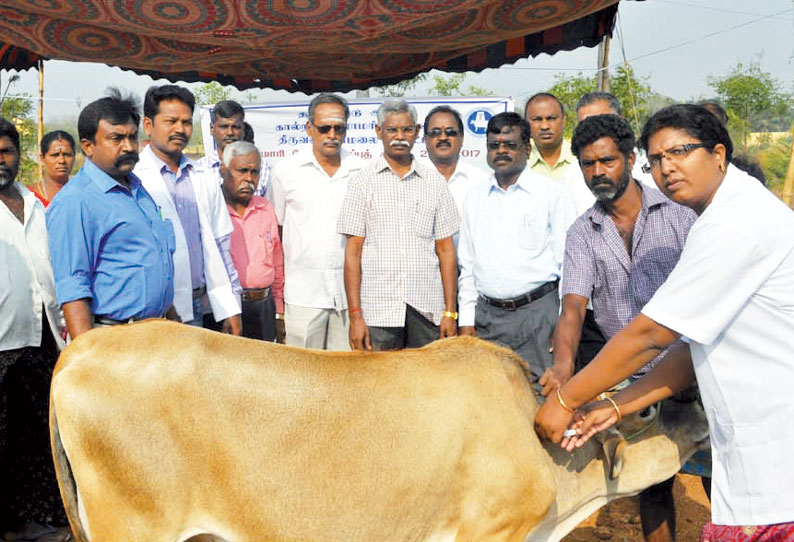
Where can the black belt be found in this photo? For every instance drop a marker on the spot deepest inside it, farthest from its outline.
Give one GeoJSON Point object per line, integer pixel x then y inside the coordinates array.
{"type": "Point", "coordinates": [105, 321]}
{"type": "Point", "coordinates": [255, 294]}
{"type": "Point", "coordinates": [199, 292]}
{"type": "Point", "coordinates": [520, 301]}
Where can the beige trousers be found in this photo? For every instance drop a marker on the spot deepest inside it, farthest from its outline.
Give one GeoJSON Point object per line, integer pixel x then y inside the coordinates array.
{"type": "Point", "coordinates": [322, 329]}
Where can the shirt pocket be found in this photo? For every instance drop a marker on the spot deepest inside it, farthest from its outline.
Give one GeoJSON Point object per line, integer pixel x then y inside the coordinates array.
{"type": "Point", "coordinates": [532, 232]}
{"type": "Point", "coordinates": [424, 220]}
{"type": "Point", "coordinates": [269, 242]}
{"type": "Point", "coordinates": [167, 233]}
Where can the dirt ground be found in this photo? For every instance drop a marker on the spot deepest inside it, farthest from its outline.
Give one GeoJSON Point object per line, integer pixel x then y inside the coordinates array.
{"type": "Point", "coordinates": [619, 521]}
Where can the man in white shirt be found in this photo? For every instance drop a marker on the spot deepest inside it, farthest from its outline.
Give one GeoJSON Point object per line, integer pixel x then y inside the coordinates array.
{"type": "Point", "coordinates": [202, 261]}
{"type": "Point", "coordinates": [443, 140]}
{"type": "Point", "coordinates": [307, 190]}
{"type": "Point", "coordinates": [31, 331]}
{"type": "Point", "coordinates": [511, 249]}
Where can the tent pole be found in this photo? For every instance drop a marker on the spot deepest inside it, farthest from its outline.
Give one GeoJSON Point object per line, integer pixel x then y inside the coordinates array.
{"type": "Point", "coordinates": [41, 112]}
{"type": "Point", "coordinates": [603, 65]}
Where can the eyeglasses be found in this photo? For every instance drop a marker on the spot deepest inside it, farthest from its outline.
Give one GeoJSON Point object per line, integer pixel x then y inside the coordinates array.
{"type": "Point", "coordinates": [510, 145]}
{"type": "Point", "coordinates": [325, 128]}
{"type": "Point", "coordinates": [449, 132]}
{"type": "Point", "coordinates": [405, 130]}
{"type": "Point", "coordinates": [674, 155]}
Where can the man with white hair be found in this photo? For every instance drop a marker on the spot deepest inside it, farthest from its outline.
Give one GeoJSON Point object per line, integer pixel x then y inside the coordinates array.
{"type": "Point", "coordinates": [255, 244]}
{"type": "Point", "coordinates": [400, 268]}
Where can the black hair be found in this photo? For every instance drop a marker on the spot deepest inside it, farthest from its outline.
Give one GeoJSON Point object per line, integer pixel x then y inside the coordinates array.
{"type": "Point", "coordinates": [248, 132]}
{"type": "Point", "coordinates": [593, 97]}
{"type": "Point", "coordinates": [444, 109]}
{"type": "Point", "coordinates": [716, 109]}
{"type": "Point", "coordinates": [509, 119]}
{"type": "Point", "coordinates": [114, 108]}
{"type": "Point", "coordinates": [749, 166]}
{"type": "Point", "coordinates": [155, 95]}
{"type": "Point", "coordinates": [328, 98]}
{"type": "Point", "coordinates": [544, 95]}
{"type": "Point", "coordinates": [55, 135]}
{"type": "Point", "coordinates": [595, 127]}
{"type": "Point", "coordinates": [227, 109]}
{"type": "Point", "coordinates": [695, 120]}
{"type": "Point", "coordinates": [7, 129]}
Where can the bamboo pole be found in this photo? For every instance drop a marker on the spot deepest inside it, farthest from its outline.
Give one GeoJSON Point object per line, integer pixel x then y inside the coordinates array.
{"type": "Point", "coordinates": [603, 65]}
{"type": "Point", "coordinates": [788, 184]}
{"type": "Point", "coordinates": [41, 112]}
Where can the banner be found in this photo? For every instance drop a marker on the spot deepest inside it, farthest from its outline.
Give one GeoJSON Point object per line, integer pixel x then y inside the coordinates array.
{"type": "Point", "coordinates": [279, 128]}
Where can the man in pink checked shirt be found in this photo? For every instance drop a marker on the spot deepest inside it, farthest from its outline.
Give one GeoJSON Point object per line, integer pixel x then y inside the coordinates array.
{"type": "Point", "coordinates": [255, 247]}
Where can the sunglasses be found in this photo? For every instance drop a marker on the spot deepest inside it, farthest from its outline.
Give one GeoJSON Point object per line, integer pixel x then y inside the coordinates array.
{"type": "Point", "coordinates": [509, 145]}
{"type": "Point", "coordinates": [449, 132]}
{"type": "Point", "coordinates": [325, 128]}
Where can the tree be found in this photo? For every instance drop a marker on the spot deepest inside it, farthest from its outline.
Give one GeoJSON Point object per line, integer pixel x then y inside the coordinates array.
{"type": "Point", "coordinates": [212, 93]}
{"type": "Point", "coordinates": [754, 100]}
{"type": "Point", "coordinates": [451, 86]}
{"type": "Point", "coordinates": [401, 88]}
{"type": "Point", "coordinates": [634, 94]}
{"type": "Point", "coordinates": [19, 110]}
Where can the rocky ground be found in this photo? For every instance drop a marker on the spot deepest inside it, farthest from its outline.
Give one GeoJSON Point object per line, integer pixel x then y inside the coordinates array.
{"type": "Point", "coordinates": [619, 521]}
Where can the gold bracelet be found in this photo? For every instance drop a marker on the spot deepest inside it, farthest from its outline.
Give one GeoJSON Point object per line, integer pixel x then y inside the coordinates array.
{"type": "Point", "coordinates": [559, 398]}
{"type": "Point", "coordinates": [453, 315]}
{"type": "Point", "coordinates": [616, 407]}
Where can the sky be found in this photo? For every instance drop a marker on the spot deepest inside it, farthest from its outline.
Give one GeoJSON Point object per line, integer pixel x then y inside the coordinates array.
{"type": "Point", "coordinates": [676, 44]}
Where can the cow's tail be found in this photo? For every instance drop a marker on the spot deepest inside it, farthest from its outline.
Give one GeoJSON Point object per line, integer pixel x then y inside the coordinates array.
{"type": "Point", "coordinates": [66, 482]}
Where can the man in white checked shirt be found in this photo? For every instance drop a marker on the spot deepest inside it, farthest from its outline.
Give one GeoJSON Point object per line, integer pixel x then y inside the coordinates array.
{"type": "Point", "coordinates": [399, 218]}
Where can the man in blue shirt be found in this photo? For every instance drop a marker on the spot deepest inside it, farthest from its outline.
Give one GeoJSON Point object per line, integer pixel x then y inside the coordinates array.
{"type": "Point", "coordinates": [111, 250]}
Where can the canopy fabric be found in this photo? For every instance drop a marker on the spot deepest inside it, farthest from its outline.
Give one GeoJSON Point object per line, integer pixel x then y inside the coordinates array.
{"type": "Point", "coordinates": [297, 45]}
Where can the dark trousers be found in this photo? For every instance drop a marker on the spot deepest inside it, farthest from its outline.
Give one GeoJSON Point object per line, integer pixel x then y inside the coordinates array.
{"type": "Point", "coordinates": [591, 341]}
{"type": "Point", "coordinates": [527, 330]}
{"type": "Point", "coordinates": [28, 487]}
{"type": "Point", "coordinates": [259, 319]}
{"type": "Point", "coordinates": [417, 332]}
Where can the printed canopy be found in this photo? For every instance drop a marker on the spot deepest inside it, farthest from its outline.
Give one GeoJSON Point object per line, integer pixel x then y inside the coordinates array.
{"type": "Point", "coordinates": [297, 45]}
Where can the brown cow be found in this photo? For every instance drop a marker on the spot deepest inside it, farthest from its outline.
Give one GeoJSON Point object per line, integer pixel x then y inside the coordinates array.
{"type": "Point", "coordinates": [166, 432]}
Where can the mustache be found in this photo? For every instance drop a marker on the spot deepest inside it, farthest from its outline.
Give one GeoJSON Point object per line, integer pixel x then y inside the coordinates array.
{"type": "Point", "coordinates": [601, 179]}
{"type": "Point", "coordinates": [177, 138]}
{"type": "Point", "coordinates": [503, 158]}
{"type": "Point", "coordinates": [399, 143]}
{"type": "Point", "coordinates": [127, 158]}
{"type": "Point", "coordinates": [443, 144]}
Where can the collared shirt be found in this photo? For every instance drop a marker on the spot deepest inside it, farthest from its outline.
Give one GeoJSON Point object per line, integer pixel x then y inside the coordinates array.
{"type": "Point", "coordinates": [598, 266]}
{"type": "Point", "coordinates": [180, 186]}
{"type": "Point", "coordinates": [512, 241]}
{"type": "Point", "coordinates": [463, 179]}
{"type": "Point", "coordinates": [400, 219]}
{"type": "Point", "coordinates": [215, 227]}
{"type": "Point", "coordinates": [256, 248]}
{"type": "Point", "coordinates": [732, 295]}
{"type": "Point", "coordinates": [111, 245]}
{"type": "Point", "coordinates": [28, 285]}
{"type": "Point", "coordinates": [212, 164]}
{"type": "Point", "coordinates": [567, 159]}
{"type": "Point", "coordinates": [307, 202]}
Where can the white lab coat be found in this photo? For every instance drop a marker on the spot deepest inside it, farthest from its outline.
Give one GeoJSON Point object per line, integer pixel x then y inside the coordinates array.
{"type": "Point", "coordinates": [215, 223]}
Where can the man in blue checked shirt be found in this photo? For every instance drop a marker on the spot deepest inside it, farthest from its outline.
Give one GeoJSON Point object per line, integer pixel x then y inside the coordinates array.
{"type": "Point", "coordinates": [111, 249]}
{"type": "Point", "coordinates": [617, 254]}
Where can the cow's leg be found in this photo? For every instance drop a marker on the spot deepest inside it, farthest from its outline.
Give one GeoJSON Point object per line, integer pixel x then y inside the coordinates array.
{"type": "Point", "coordinates": [657, 512]}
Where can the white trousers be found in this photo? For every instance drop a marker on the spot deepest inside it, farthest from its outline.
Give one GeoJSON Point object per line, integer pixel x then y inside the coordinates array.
{"type": "Point", "coordinates": [322, 329]}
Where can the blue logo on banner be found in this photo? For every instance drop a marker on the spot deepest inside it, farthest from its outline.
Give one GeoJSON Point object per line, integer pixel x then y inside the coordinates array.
{"type": "Point", "coordinates": [477, 121]}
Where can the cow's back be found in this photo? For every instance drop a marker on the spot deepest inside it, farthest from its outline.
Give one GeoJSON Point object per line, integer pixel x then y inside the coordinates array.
{"type": "Point", "coordinates": [173, 431]}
